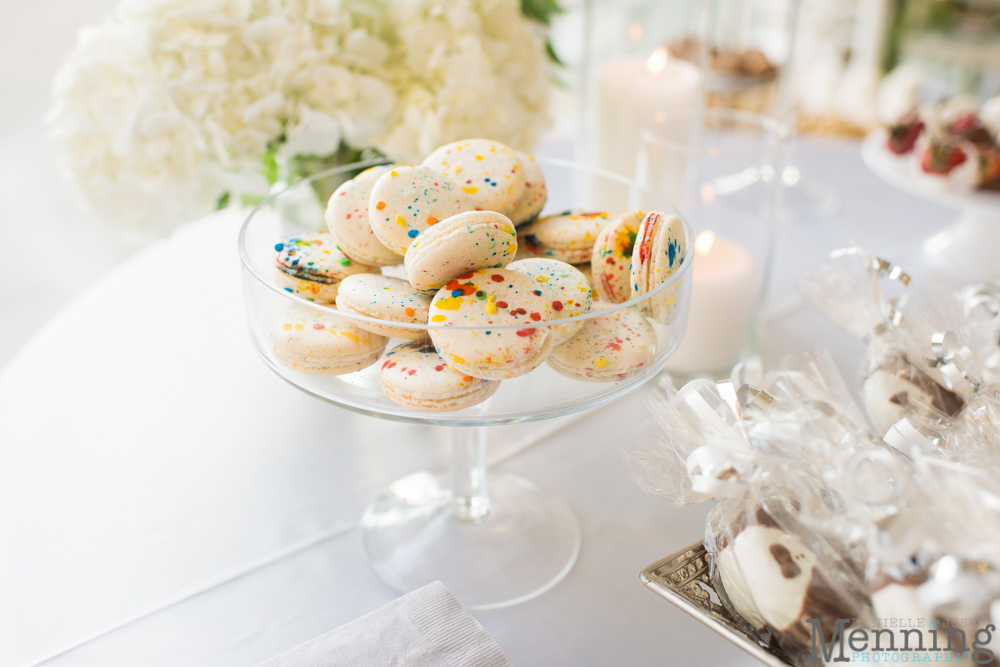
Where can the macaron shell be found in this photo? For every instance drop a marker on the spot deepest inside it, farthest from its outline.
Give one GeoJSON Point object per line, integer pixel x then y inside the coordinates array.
{"type": "Point", "coordinates": [347, 219]}
{"type": "Point", "coordinates": [490, 298]}
{"type": "Point", "coordinates": [568, 236]}
{"type": "Point", "coordinates": [489, 172]}
{"type": "Point", "coordinates": [406, 201]}
{"type": "Point", "coordinates": [312, 266]}
{"type": "Point", "coordinates": [607, 348]}
{"type": "Point", "coordinates": [535, 191]}
{"type": "Point", "coordinates": [565, 285]}
{"type": "Point", "coordinates": [415, 376]}
{"type": "Point", "coordinates": [660, 247]}
{"type": "Point", "coordinates": [307, 289]}
{"type": "Point", "coordinates": [458, 245]}
{"type": "Point", "coordinates": [384, 298]}
{"type": "Point", "coordinates": [611, 260]}
{"type": "Point", "coordinates": [312, 341]}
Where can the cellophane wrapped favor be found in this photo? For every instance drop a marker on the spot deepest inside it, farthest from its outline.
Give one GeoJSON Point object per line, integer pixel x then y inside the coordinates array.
{"type": "Point", "coordinates": [818, 528]}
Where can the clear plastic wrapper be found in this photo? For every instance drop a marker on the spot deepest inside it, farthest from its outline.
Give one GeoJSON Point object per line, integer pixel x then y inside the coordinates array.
{"type": "Point", "coordinates": [865, 295]}
{"type": "Point", "coordinates": [816, 524]}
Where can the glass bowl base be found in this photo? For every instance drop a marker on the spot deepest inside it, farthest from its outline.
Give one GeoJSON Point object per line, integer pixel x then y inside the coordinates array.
{"type": "Point", "coordinates": [526, 543]}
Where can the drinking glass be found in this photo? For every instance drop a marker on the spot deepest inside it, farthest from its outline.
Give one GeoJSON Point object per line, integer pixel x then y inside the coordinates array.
{"type": "Point", "coordinates": [722, 169]}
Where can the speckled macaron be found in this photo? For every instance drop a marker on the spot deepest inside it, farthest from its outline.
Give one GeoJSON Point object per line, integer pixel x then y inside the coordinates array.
{"type": "Point", "coordinates": [312, 266]}
{"type": "Point", "coordinates": [485, 299]}
{"type": "Point", "coordinates": [347, 219]}
{"type": "Point", "coordinates": [460, 244]}
{"type": "Point", "coordinates": [660, 247]}
{"type": "Point", "coordinates": [611, 259]}
{"type": "Point", "coordinates": [608, 348]}
{"type": "Point", "coordinates": [535, 192]}
{"type": "Point", "coordinates": [312, 341]}
{"type": "Point", "coordinates": [406, 201]}
{"type": "Point", "coordinates": [568, 236]}
{"type": "Point", "coordinates": [415, 376]}
{"type": "Point", "coordinates": [488, 171]}
{"type": "Point", "coordinates": [565, 285]}
{"type": "Point", "coordinates": [385, 298]}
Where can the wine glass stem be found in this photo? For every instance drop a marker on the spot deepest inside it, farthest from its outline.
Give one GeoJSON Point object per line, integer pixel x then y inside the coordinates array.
{"type": "Point", "coordinates": [470, 498]}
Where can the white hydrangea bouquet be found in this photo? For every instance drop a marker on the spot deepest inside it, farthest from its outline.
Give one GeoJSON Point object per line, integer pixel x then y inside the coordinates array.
{"type": "Point", "coordinates": [172, 108]}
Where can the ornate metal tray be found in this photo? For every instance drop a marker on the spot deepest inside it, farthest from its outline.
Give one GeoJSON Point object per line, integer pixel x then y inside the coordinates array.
{"type": "Point", "coordinates": [683, 578]}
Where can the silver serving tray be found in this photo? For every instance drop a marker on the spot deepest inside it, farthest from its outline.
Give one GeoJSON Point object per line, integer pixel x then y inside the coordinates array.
{"type": "Point", "coordinates": [683, 578]}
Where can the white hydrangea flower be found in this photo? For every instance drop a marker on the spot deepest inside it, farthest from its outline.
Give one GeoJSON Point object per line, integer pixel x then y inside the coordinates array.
{"type": "Point", "coordinates": [161, 110]}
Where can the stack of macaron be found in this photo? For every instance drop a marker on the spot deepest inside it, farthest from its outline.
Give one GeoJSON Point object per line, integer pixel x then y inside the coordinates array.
{"type": "Point", "coordinates": [450, 226]}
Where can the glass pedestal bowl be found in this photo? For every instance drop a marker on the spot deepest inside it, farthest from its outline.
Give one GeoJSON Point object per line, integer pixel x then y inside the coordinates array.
{"type": "Point", "coordinates": [492, 541]}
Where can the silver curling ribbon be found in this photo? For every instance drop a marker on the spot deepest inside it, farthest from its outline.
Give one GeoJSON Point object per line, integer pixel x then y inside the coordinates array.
{"type": "Point", "coordinates": [716, 471]}
{"type": "Point", "coordinates": [955, 362]}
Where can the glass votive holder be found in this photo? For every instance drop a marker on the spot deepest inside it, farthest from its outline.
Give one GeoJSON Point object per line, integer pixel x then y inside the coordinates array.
{"type": "Point", "coordinates": [720, 168]}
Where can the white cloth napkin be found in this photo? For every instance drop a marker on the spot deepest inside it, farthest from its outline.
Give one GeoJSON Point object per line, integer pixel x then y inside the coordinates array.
{"type": "Point", "coordinates": [425, 628]}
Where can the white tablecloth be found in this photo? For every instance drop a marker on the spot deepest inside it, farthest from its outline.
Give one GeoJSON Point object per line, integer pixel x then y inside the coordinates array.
{"type": "Point", "coordinates": [167, 500]}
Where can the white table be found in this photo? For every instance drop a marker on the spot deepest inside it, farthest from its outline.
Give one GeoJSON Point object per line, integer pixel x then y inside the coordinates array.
{"type": "Point", "coordinates": [167, 500]}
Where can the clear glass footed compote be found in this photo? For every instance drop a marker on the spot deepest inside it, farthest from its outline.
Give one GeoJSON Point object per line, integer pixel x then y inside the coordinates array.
{"type": "Point", "coordinates": [498, 540]}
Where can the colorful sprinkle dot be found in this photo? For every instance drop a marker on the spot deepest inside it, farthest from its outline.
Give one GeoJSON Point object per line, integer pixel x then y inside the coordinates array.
{"type": "Point", "coordinates": [497, 278]}
{"type": "Point", "coordinates": [319, 325]}
{"type": "Point", "coordinates": [379, 206]}
{"type": "Point", "coordinates": [557, 305]}
{"type": "Point", "coordinates": [279, 247]}
{"type": "Point", "coordinates": [409, 311]}
{"type": "Point", "coordinates": [412, 233]}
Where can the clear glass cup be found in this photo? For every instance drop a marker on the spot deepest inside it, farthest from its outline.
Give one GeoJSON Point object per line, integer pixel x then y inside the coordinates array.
{"type": "Point", "coordinates": [493, 541]}
{"type": "Point", "coordinates": [719, 166]}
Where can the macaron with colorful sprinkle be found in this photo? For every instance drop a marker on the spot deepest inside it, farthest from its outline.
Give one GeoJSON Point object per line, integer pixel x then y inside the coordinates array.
{"type": "Point", "coordinates": [565, 285]}
{"type": "Point", "coordinates": [611, 259]}
{"type": "Point", "coordinates": [312, 265]}
{"type": "Point", "coordinates": [460, 244]}
{"type": "Point", "coordinates": [608, 348]}
{"type": "Point", "coordinates": [347, 219]}
{"type": "Point", "coordinates": [568, 236]}
{"type": "Point", "coordinates": [489, 172]}
{"type": "Point", "coordinates": [312, 341]}
{"type": "Point", "coordinates": [406, 201]}
{"type": "Point", "coordinates": [535, 192]}
{"type": "Point", "coordinates": [487, 299]}
{"type": "Point", "coordinates": [660, 249]}
{"type": "Point", "coordinates": [384, 298]}
{"type": "Point", "coordinates": [415, 376]}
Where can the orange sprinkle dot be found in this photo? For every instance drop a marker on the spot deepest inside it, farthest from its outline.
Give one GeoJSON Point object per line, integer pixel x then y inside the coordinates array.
{"type": "Point", "coordinates": [379, 206]}
{"type": "Point", "coordinates": [409, 311]}
{"type": "Point", "coordinates": [431, 220]}
{"type": "Point", "coordinates": [467, 378]}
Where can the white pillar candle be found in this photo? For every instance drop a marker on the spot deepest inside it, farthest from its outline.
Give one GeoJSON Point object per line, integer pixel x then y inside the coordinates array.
{"type": "Point", "coordinates": [723, 284]}
{"type": "Point", "coordinates": [630, 91]}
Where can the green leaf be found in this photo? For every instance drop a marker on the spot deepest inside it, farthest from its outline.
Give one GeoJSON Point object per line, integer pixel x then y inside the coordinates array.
{"type": "Point", "coordinates": [541, 10]}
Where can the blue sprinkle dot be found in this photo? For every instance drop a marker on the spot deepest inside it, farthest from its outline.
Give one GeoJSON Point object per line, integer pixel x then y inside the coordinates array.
{"type": "Point", "coordinates": [538, 292]}
{"type": "Point", "coordinates": [278, 247]}
{"type": "Point", "coordinates": [457, 292]}
{"type": "Point", "coordinates": [488, 333]}
{"type": "Point", "coordinates": [288, 289]}
{"type": "Point", "coordinates": [412, 233]}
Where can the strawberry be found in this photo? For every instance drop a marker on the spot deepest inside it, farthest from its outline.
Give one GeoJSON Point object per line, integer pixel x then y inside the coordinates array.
{"type": "Point", "coordinates": [941, 158]}
{"type": "Point", "coordinates": [902, 137]}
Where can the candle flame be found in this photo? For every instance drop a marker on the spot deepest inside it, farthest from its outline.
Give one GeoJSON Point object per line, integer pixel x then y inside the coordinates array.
{"type": "Point", "coordinates": [634, 31]}
{"type": "Point", "coordinates": [657, 61]}
{"type": "Point", "coordinates": [704, 242]}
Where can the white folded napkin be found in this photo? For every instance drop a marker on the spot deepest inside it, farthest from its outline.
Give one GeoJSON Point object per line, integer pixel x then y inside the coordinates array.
{"type": "Point", "coordinates": [425, 628]}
